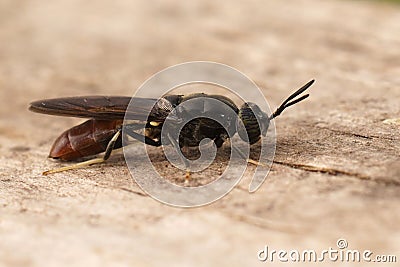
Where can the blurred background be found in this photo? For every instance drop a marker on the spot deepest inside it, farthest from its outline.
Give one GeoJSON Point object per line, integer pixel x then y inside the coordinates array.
{"type": "Point", "coordinates": [100, 217]}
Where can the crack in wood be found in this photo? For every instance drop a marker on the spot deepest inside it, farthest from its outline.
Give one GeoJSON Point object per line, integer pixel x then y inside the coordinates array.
{"type": "Point", "coordinates": [132, 191]}
{"type": "Point", "coordinates": [369, 137]}
{"type": "Point", "coordinates": [336, 172]}
{"type": "Point", "coordinates": [329, 171]}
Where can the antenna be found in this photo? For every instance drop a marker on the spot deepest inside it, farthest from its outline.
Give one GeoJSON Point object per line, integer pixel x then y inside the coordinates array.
{"type": "Point", "coordinates": [286, 103]}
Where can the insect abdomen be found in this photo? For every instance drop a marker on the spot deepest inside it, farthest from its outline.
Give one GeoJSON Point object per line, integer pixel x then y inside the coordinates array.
{"type": "Point", "coordinates": [86, 139]}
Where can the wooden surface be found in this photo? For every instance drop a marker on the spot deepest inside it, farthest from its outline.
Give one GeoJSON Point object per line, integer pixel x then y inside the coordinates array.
{"type": "Point", "coordinates": [337, 170]}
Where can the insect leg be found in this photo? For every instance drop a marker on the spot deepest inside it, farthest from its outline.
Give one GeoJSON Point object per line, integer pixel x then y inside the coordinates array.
{"type": "Point", "coordinates": [130, 130]}
{"type": "Point", "coordinates": [143, 139]}
{"type": "Point", "coordinates": [106, 156]}
{"type": "Point", "coordinates": [175, 144]}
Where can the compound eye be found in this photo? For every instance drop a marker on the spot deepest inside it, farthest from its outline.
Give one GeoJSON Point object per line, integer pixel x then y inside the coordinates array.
{"type": "Point", "coordinates": [248, 129]}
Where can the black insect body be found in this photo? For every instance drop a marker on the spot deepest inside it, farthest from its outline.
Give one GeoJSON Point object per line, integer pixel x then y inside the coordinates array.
{"type": "Point", "coordinates": [204, 126]}
{"type": "Point", "coordinates": [102, 133]}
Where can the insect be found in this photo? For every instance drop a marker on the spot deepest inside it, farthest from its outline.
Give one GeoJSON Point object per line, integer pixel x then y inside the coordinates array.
{"type": "Point", "coordinates": [103, 131]}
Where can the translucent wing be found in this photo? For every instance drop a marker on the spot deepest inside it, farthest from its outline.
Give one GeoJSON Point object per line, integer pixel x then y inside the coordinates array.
{"type": "Point", "coordinates": [104, 107]}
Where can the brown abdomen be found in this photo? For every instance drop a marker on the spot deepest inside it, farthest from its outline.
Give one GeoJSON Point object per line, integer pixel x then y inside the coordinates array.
{"type": "Point", "coordinates": [86, 139]}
